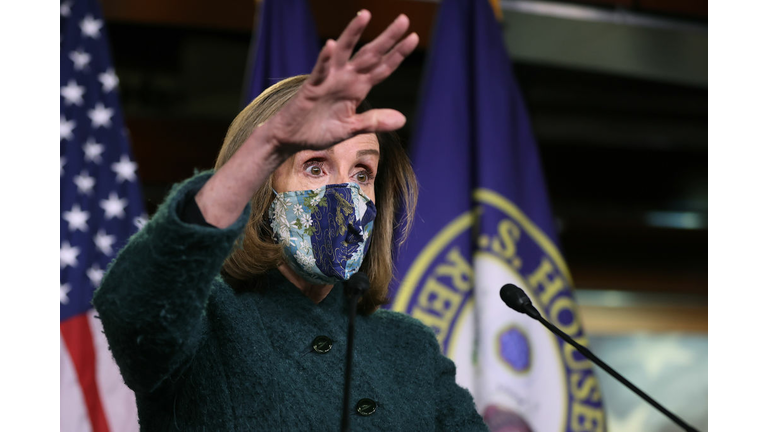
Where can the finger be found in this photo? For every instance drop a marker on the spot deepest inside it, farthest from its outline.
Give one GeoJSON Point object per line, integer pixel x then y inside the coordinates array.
{"type": "Point", "coordinates": [392, 60]}
{"type": "Point", "coordinates": [373, 51]}
{"type": "Point", "coordinates": [377, 120]}
{"type": "Point", "coordinates": [320, 71]}
{"type": "Point", "coordinates": [349, 37]}
{"type": "Point", "coordinates": [365, 60]}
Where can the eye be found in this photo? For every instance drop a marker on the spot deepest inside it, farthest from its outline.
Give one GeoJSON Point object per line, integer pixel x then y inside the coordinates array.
{"type": "Point", "coordinates": [313, 168]}
{"type": "Point", "coordinates": [364, 176]}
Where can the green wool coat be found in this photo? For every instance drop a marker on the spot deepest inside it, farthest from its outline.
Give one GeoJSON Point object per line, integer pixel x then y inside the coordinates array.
{"type": "Point", "coordinates": [202, 356]}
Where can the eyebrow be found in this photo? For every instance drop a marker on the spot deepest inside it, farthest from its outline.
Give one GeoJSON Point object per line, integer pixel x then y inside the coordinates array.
{"type": "Point", "coordinates": [361, 153]}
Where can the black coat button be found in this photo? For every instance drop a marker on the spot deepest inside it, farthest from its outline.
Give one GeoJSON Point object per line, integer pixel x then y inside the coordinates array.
{"type": "Point", "coordinates": [366, 407]}
{"type": "Point", "coordinates": [322, 344]}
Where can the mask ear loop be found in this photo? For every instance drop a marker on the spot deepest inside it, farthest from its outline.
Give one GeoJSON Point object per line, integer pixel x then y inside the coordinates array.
{"type": "Point", "coordinates": [280, 197]}
{"type": "Point", "coordinates": [278, 200]}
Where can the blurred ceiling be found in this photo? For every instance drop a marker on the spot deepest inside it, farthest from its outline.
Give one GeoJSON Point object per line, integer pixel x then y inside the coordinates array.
{"type": "Point", "coordinates": [616, 91]}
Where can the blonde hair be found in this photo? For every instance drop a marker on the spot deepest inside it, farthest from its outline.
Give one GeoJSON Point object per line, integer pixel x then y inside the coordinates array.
{"type": "Point", "coordinates": [396, 195]}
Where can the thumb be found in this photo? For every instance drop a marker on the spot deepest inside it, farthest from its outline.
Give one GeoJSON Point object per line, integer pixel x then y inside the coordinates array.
{"type": "Point", "coordinates": [378, 120]}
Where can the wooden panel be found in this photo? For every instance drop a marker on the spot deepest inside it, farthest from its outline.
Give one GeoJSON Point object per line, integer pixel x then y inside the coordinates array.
{"type": "Point", "coordinates": [589, 274]}
{"type": "Point", "coordinates": [168, 150]}
{"type": "Point", "coordinates": [331, 18]}
{"type": "Point", "coordinates": [662, 319]}
{"type": "Point", "coordinates": [220, 14]}
{"type": "Point", "coordinates": [626, 4]}
{"type": "Point", "coordinates": [692, 8]}
{"type": "Point", "coordinates": [239, 14]}
{"type": "Point", "coordinates": [687, 8]}
{"type": "Point", "coordinates": [331, 21]}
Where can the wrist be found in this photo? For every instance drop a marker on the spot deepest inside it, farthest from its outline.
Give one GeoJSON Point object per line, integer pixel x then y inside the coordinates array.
{"type": "Point", "coordinates": [273, 151]}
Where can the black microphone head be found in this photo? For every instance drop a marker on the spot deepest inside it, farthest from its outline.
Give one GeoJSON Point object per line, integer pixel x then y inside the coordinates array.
{"type": "Point", "coordinates": [515, 298]}
{"type": "Point", "coordinates": [357, 284]}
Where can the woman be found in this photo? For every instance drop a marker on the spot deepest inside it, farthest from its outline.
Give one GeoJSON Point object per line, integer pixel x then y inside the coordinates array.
{"type": "Point", "coordinates": [225, 312]}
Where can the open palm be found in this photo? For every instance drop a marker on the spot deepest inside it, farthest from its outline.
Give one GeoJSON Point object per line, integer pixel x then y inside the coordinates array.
{"type": "Point", "coordinates": [323, 111]}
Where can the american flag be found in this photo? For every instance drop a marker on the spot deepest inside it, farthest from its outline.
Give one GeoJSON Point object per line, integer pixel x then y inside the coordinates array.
{"type": "Point", "coordinates": [101, 206]}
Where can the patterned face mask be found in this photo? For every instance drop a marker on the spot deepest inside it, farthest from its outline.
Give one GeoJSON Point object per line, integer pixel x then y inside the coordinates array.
{"type": "Point", "coordinates": [325, 232]}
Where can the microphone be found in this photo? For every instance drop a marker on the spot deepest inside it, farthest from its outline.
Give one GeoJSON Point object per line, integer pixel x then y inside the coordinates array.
{"type": "Point", "coordinates": [357, 284]}
{"type": "Point", "coordinates": [354, 288]}
{"type": "Point", "coordinates": [516, 299]}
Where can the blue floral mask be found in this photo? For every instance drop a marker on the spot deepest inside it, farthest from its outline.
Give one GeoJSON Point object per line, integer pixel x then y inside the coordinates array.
{"type": "Point", "coordinates": [325, 232]}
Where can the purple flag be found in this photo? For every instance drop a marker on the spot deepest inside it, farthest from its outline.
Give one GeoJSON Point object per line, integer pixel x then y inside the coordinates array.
{"type": "Point", "coordinates": [287, 45]}
{"type": "Point", "coordinates": [484, 220]}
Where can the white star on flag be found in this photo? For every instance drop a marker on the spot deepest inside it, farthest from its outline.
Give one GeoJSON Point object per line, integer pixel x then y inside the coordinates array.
{"type": "Point", "coordinates": [95, 274]}
{"type": "Point", "coordinates": [108, 80]}
{"type": "Point", "coordinates": [90, 27]}
{"type": "Point", "coordinates": [141, 221]}
{"type": "Point", "coordinates": [68, 254]}
{"type": "Point", "coordinates": [72, 93]}
{"type": "Point", "coordinates": [77, 218]}
{"type": "Point", "coordinates": [101, 116]}
{"type": "Point", "coordinates": [65, 9]}
{"type": "Point", "coordinates": [114, 206]}
{"type": "Point", "coordinates": [93, 151]}
{"type": "Point", "coordinates": [96, 211]}
{"type": "Point", "coordinates": [65, 130]}
{"type": "Point", "coordinates": [80, 59]}
{"type": "Point", "coordinates": [63, 293]}
{"type": "Point", "coordinates": [84, 183]}
{"type": "Point", "coordinates": [104, 242]}
{"type": "Point", "coordinates": [125, 169]}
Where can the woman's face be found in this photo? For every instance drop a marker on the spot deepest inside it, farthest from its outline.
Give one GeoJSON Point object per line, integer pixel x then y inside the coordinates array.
{"type": "Point", "coordinates": [355, 160]}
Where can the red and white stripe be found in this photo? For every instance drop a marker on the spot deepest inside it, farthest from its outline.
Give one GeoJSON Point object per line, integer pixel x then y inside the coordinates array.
{"type": "Point", "coordinates": [93, 395]}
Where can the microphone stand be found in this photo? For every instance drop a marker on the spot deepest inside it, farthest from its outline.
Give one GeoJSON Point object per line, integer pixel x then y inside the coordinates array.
{"type": "Point", "coordinates": [348, 369]}
{"type": "Point", "coordinates": [516, 299]}
{"type": "Point", "coordinates": [354, 289]}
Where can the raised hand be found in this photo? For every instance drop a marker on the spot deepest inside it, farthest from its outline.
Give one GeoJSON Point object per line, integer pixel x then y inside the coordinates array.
{"type": "Point", "coordinates": [322, 113]}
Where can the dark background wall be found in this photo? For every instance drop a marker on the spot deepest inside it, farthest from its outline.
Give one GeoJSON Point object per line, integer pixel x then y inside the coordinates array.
{"type": "Point", "coordinates": [623, 139]}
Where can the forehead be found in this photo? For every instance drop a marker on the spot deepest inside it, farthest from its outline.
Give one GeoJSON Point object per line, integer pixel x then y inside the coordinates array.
{"type": "Point", "coordinates": [359, 145]}
{"type": "Point", "coordinates": [356, 144]}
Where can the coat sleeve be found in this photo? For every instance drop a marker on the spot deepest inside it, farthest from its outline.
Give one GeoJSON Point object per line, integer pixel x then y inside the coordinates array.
{"type": "Point", "coordinates": [153, 296]}
{"type": "Point", "coordinates": [455, 407]}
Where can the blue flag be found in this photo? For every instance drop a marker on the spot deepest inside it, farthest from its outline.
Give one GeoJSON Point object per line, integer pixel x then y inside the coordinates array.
{"type": "Point", "coordinates": [484, 220]}
{"type": "Point", "coordinates": [101, 206]}
{"type": "Point", "coordinates": [287, 45]}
